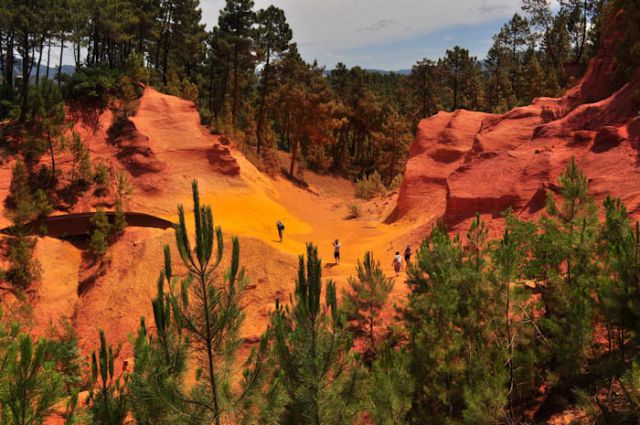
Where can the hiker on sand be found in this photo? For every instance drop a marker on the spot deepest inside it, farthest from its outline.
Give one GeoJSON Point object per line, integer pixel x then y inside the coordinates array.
{"type": "Point", "coordinates": [336, 251]}
{"type": "Point", "coordinates": [397, 263]}
{"type": "Point", "coordinates": [407, 255]}
{"type": "Point", "coordinates": [280, 227]}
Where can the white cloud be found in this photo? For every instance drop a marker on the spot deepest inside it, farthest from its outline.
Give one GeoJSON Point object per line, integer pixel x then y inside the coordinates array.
{"type": "Point", "coordinates": [330, 26]}
{"type": "Point", "coordinates": [379, 25]}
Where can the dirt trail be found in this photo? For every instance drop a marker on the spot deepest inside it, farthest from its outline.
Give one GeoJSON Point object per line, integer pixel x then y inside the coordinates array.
{"type": "Point", "coordinates": [248, 204]}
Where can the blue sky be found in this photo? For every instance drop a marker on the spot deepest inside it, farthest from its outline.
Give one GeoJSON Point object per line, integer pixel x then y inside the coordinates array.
{"type": "Point", "coordinates": [386, 34]}
{"type": "Point", "coordinates": [402, 54]}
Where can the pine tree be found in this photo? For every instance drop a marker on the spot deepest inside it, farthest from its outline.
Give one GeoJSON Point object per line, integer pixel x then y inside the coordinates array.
{"type": "Point", "coordinates": [457, 365]}
{"type": "Point", "coordinates": [317, 369]}
{"type": "Point", "coordinates": [23, 207]}
{"type": "Point", "coordinates": [619, 292]}
{"type": "Point", "coordinates": [34, 376]}
{"type": "Point", "coordinates": [535, 82]}
{"type": "Point", "coordinates": [499, 88]}
{"type": "Point", "coordinates": [515, 337]}
{"type": "Point", "coordinates": [235, 22]}
{"type": "Point", "coordinates": [100, 233]}
{"type": "Point", "coordinates": [462, 76]}
{"type": "Point", "coordinates": [393, 142]}
{"type": "Point", "coordinates": [564, 270]}
{"type": "Point", "coordinates": [44, 121]}
{"type": "Point", "coordinates": [423, 82]}
{"type": "Point", "coordinates": [160, 361]}
{"type": "Point", "coordinates": [20, 202]}
{"type": "Point", "coordinates": [81, 170]}
{"type": "Point", "coordinates": [364, 301]}
{"type": "Point", "coordinates": [580, 14]}
{"type": "Point", "coordinates": [273, 38]}
{"type": "Point", "coordinates": [306, 104]}
{"type": "Point", "coordinates": [109, 400]}
{"type": "Point", "coordinates": [188, 36]}
{"type": "Point", "coordinates": [390, 387]}
{"type": "Point", "coordinates": [30, 386]}
{"type": "Point", "coordinates": [207, 311]}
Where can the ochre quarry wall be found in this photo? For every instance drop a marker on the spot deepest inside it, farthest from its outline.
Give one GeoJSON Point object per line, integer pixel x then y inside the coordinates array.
{"type": "Point", "coordinates": [466, 162]}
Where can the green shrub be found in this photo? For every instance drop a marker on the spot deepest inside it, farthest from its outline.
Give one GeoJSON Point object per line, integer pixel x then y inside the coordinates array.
{"type": "Point", "coordinates": [370, 186]}
{"type": "Point", "coordinates": [396, 182]}
{"type": "Point", "coordinates": [354, 211]}
{"type": "Point", "coordinates": [119, 222]}
{"type": "Point", "coordinates": [181, 87]}
{"type": "Point", "coordinates": [24, 268]}
{"type": "Point", "coordinates": [81, 169]}
{"type": "Point", "coordinates": [101, 178]}
{"type": "Point", "coordinates": [94, 85]}
{"type": "Point", "coordinates": [108, 397]}
{"type": "Point", "coordinates": [100, 234]}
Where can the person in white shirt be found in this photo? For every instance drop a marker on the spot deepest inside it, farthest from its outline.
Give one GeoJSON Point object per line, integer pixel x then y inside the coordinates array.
{"type": "Point", "coordinates": [397, 263]}
{"type": "Point", "coordinates": [336, 251]}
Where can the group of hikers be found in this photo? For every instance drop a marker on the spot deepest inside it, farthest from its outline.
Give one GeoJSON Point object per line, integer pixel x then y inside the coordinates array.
{"type": "Point", "coordinates": [397, 262]}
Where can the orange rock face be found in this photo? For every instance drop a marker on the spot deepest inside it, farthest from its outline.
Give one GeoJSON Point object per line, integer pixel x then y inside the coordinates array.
{"type": "Point", "coordinates": [463, 163]}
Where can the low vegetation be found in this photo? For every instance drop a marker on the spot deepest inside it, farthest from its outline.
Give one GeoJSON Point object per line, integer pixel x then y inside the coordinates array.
{"type": "Point", "coordinates": [538, 322]}
{"type": "Point", "coordinates": [355, 211]}
{"type": "Point", "coordinates": [370, 186]}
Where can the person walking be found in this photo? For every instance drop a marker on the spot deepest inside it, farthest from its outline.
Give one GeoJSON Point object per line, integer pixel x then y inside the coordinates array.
{"type": "Point", "coordinates": [336, 251]}
{"type": "Point", "coordinates": [397, 263]}
{"type": "Point", "coordinates": [280, 227]}
{"type": "Point", "coordinates": [407, 255]}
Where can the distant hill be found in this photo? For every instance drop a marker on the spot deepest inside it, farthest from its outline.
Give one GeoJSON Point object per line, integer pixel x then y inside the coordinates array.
{"type": "Point", "coordinates": [380, 71]}
{"type": "Point", "coordinates": [383, 72]}
{"type": "Point", "coordinates": [53, 71]}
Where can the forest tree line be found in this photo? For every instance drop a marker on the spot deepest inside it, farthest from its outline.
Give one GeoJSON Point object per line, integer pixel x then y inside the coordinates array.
{"type": "Point", "coordinates": [250, 82]}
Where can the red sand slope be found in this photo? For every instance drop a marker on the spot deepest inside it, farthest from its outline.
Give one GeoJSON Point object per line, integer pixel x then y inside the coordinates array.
{"type": "Point", "coordinates": [467, 162]}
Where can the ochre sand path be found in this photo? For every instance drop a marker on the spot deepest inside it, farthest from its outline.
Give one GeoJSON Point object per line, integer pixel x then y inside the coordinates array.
{"type": "Point", "coordinates": [249, 205]}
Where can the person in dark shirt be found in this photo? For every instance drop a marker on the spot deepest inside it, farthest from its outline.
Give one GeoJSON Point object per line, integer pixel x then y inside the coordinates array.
{"type": "Point", "coordinates": [280, 227]}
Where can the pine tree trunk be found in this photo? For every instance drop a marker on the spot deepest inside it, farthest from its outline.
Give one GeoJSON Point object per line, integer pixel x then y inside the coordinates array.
{"type": "Point", "coordinates": [26, 70]}
{"type": "Point", "coordinates": [584, 31]}
{"type": "Point", "coordinates": [510, 347]}
{"type": "Point", "coordinates": [53, 161]}
{"type": "Point", "coordinates": [209, 347]}
{"type": "Point", "coordinates": [234, 110]}
{"type": "Point", "coordinates": [424, 102]}
{"type": "Point", "coordinates": [210, 96]}
{"type": "Point", "coordinates": [10, 62]}
{"type": "Point", "coordinates": [165, 53]}
{"type": "Point", "coordinates": [60, 62]}
{"type": "Point", "coordinates": [455, 86]}
{"type": "Point", "coordinates": [225, 85]}
{"type": "Point", "coordinates": [48, 56]}
{"type": "Point", "coordinates": [294, 153]}
{"type": "Point", "coordinates": [39, 61]}
{"type": "Point", "coordinates": [3, 71]}
{"type": "Point", "coordinates": [372, 337]}
{"type": "Point", "coordinates": [263, 104]}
